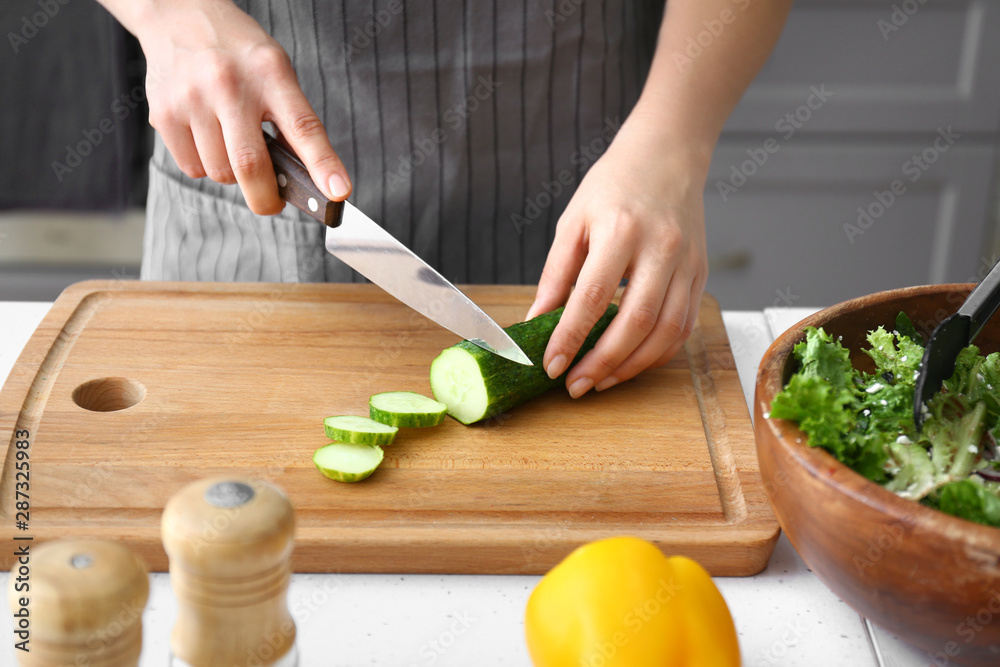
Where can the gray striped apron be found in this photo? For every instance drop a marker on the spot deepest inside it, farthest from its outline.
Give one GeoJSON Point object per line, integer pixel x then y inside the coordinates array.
{"type": "Point", "coordinates": [465, 125]}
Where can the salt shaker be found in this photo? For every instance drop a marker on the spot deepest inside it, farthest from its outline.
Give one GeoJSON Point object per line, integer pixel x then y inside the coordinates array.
{"type": "Point", "coordinates": [229, 542]}
{"type": "Point", "coordinates": [77, 602]}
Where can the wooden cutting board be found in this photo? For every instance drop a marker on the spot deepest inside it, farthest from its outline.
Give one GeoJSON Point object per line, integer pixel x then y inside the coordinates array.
{"type": "Point", "coordinates": [235, 379]}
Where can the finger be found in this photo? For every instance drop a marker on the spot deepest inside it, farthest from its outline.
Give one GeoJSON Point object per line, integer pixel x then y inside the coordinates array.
{"type": "Point", "coordinates": [180, 142]}
{"type": "Point", "coordinates": [599, 278]}
{"type": "Point", "coordinates": [671, 330]}
{"type": "Point", "coordinates": [302, 129]}
{"type": "Point", "coordinates": [212, 150]}
{"type": "Point", "coordinates": [251, 164]}
{"type": "Point", "coordinates": [692, 321]}
{"type": "Point", "coordinates": [562, 266]}
{"type": "Point", "coordinates": [635, 323]}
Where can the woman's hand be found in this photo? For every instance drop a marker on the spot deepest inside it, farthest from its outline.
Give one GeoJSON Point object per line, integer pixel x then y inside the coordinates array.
{"type": "Point", "coordinates": [213, 76]}
{"type": "Point", "coordinates": [638, 214]}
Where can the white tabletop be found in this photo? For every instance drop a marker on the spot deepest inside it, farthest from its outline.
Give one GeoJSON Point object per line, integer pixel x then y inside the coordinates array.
{"type": "Point", "coordinates": [785, 616]}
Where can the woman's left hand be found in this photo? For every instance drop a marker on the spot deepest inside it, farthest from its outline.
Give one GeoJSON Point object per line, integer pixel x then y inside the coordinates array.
{"type": "Point", "coordinates": [638, 214]}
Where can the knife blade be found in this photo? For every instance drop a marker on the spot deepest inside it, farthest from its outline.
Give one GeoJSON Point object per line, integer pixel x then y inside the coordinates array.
{"type": "Point", "coordinates": [359, 242]}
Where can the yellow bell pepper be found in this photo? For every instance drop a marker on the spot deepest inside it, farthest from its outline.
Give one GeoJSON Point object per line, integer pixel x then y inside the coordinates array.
{"type": "Point", "coordinates": [621, 602]}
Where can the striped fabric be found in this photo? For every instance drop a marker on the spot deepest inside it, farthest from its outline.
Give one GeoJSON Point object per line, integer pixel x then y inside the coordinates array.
{"type": "Point", "coordinates": [465, 126]}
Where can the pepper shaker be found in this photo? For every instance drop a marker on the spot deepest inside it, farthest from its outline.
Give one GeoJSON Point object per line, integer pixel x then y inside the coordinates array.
{"type": "Point", "coordinates": [78, 602]}
{"type": "Point", "coordinates": [229, 542]}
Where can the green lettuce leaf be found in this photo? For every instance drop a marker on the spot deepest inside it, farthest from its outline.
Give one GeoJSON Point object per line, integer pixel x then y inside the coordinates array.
{"type": "Point", "coordinates": [886, 396]}
{"type": "Point", "coordinates": [822, 357]}
{"type": "Point", "coordinates": [819, 409]}
{"type": "Point", "coordinates": [970, 500]}
{"type": "Point", "coordinates": [822, 398]}
{"type": "Point", "coordinates": [866, 420]}
{"type": "Point", "coordinates": [904, 327]}
{"type": "Point", "coordinates": [915, 476]}
{"type": "Point", "coordinates": [983, 385]}
{"type": "Point", "coordinates": [895, 354]}
{"type": "Point", "coordinates": [967, 360]}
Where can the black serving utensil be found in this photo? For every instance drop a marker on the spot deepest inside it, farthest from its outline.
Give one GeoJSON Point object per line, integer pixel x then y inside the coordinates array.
{"type": "Point", "coordinates": [952, 335]}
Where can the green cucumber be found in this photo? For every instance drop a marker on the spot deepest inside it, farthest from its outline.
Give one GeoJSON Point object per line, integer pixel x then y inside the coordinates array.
{"type": "Point", "coordinates": [476, 384]}
{"type": "Point", "coordinates": [406, 409]}
{"type": "Point", "coordinates": [348, 461]}
{"type": "Point", "coordinates": [348, 428]}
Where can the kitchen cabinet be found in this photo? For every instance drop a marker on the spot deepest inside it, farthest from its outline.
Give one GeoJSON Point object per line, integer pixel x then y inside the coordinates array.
{"type": "Point", "coordinates": [856, 97]}
{"type": "Point", "coordinates": [821, 222]}
{"type": "Point", "coordinates": [895, 66]}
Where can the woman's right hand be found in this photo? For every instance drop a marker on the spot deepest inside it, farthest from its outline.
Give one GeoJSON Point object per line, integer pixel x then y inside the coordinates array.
{"type": "Point", "coordinates": [213, 75]}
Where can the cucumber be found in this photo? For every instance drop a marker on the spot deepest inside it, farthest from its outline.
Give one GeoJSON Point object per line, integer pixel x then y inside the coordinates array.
{"type": "Point", "coordinates": [348, 461]}
{"type": "Point", "coordinates": [476, 384]}
{"type": "Point", "coordinates": [405, 408]}
{"type": "Point", "coordinates": [348, 428]}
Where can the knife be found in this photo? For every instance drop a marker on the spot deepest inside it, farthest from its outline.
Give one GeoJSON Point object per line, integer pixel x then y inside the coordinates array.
{"type": "Point", "coordinates": [951, 336]}
{"type": "Point", "coordinates": [356, 240]}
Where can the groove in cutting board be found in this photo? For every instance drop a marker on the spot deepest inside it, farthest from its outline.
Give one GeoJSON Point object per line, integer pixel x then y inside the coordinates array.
{"type": "Point", "coordinates": [234, 379]}
{"type": "Point", "coordinates": [38, 392]}
{"type": "Point", "coordinates": [734, 505]}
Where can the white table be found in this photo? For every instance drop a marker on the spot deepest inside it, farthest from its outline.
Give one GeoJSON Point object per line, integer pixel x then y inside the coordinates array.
{"type": "Point", "coordinates": [785, 616]}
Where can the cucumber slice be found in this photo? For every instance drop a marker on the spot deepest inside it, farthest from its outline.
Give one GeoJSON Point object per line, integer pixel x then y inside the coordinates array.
{"type": "Point", "coordinates": [348, 461]}
{"type": "Point", "coordinates": [476, 384]}
{"type": "Point", "coordinates": [348, 428]}
{"type": "Point", "coordinates": [405, 408]}
{"type": "Point", "coordinates": [457, 381]}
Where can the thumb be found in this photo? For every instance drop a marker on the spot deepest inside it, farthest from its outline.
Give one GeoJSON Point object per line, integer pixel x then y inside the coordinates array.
{"type": "Point", "coordinates": [562, 266]}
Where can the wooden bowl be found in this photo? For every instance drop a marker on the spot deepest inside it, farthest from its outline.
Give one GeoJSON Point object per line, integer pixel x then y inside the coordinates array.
{"type": "Point", "coordinates": [931, 579]}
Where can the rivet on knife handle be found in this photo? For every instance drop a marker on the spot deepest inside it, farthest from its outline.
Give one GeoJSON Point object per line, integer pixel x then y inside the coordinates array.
{"type": "Point", "coordinates": [296, 186]}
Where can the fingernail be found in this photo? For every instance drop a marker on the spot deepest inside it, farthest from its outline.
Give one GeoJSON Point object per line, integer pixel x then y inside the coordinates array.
{"type": "Point", "coordinates": [557, 366]}
{"type": "Point", "coordinates": [607, 383]}
{"type": "Point", "coordinates": [339, 187]}
{"type": "Point", "coordinates": [580, 387]}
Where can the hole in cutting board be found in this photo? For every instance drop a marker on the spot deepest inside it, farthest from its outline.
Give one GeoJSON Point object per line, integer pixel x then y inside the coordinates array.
{"type": "Point", "coordinates": [108, 394]}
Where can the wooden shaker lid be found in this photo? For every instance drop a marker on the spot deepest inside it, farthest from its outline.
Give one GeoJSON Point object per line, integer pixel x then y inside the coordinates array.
{"type": "Point", "coordinates": [84, 600]}
{"type": "Point", "coordinates": [228, 527]}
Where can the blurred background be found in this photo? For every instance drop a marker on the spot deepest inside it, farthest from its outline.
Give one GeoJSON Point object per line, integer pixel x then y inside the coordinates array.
{"type": "Point", "coordinates": [74, 142]}
{"type": "Point", "coordinates": [863, 157]}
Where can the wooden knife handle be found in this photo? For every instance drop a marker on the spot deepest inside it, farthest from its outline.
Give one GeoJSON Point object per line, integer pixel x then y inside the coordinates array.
{"type": "Point", "coordinates": [229, 541]}
{"type": "Point", "coordinates": [296, 186]}
{"type": "Point", "coordinates": [84, 605]}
